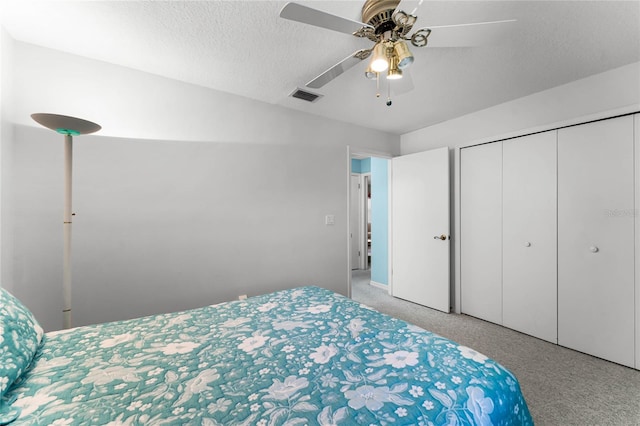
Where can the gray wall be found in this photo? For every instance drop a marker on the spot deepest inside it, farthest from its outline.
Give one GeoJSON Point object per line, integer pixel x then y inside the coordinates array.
{"type": "Point", "coordinates": [166, 223]}
{"type": "Point", "coordinates": [6, 136]}
{"type": "Point", "coordinates": [163, 226]}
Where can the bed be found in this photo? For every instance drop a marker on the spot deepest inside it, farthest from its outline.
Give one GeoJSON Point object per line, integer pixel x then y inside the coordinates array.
{"type": "Point", "coordinates": [304, 356]}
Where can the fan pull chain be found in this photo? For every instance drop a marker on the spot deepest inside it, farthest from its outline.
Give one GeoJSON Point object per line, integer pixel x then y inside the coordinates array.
{"type": "Point", "coordinates": [389, 93]}
{"type": "Point", "coordinates": [377, 85]}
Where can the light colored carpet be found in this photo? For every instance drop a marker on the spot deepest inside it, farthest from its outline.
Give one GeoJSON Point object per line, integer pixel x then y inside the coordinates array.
{"type": "Point", "coordinates": [561, 386]}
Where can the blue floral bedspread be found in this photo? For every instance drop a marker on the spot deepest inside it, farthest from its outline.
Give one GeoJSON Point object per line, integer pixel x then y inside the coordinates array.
{"type": "Point", "coordinates": [305, 356]}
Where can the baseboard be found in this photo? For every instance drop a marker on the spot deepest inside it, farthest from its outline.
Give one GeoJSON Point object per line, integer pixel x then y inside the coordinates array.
{"type": "Point", "coordinates": [379, 285]}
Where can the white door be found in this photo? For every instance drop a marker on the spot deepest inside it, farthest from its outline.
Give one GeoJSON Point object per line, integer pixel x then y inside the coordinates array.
{"type": "Point", "coordinates": [481, 231]}
{"type": "Point", "coordinates": [420, 216]}
{"type": "Point", "coordinates": [354, 221]}
{"type": "Point", "coordinates": [596, 239]}
{"type": "Point", "coordinates": [529, 237]}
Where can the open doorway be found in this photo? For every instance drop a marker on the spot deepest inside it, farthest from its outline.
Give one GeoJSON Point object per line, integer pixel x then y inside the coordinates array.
{"type": "Point", "coordinates": [419, 217]}
{"type": "Point", "coordinates": [369, 226]}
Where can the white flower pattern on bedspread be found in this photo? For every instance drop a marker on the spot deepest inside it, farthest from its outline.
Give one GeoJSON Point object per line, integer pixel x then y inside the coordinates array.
{"type": "Point", "coordinates": [305, 356]}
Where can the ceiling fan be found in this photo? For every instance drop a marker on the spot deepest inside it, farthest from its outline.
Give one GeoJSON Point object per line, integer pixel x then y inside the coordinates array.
{"type": "Point", "coordinates": [389, 27]}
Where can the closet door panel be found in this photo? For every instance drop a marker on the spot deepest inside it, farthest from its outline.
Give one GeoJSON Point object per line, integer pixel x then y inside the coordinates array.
{"type": "Point", "coordinates": [596, 239]}
{"type": "Point", "coordinates": [481, 231]}
{"type": "Point", "coordinates": [529, 247]}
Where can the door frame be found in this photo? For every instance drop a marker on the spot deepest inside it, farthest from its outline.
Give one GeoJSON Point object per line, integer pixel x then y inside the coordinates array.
{"type": "Point", "coordinates": [358, 231]}
{"type": "Point", "coordinates": [357, 152]}
{"type": "Point", "coordinates": [365, 179]}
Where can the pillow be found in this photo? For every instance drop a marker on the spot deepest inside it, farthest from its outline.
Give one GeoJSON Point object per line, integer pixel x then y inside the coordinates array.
{"type": "Point", "coordinates": [20, 336]}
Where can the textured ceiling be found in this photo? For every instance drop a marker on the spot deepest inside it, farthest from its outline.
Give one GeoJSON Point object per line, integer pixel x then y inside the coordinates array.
{"type": "Point", "coordinates": [243, 47]}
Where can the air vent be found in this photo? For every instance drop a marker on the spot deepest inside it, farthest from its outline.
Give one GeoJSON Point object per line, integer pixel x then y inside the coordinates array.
{"type": "Point", "coordinates": [305, 96]}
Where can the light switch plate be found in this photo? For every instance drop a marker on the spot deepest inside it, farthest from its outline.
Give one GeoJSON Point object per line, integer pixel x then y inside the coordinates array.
{"type": "Point", "coordinates": [330, 219]}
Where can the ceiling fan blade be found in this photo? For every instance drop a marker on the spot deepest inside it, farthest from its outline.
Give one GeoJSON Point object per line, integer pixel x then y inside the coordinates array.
{"type": "Point", "coordinates": [336, 70]}
{"type": "Point", "coordinates": [410, 7]}
{"type": "Point", "coordinates": [307, 15]}
{"type": "Point", "coordinates": [470, 35]}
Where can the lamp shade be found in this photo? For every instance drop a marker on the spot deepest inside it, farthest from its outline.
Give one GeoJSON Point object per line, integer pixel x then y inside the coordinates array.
{"type": "Point", "coordinates": [65, 124]}
{"type": "Point", "coordinates": [405, 57]}
{"type": "Point", "coordinates": [394, 72]}
{"type": "Point", "coordinates": [370, 74]}
{"type": "Point", "coordinates": [379, 61]}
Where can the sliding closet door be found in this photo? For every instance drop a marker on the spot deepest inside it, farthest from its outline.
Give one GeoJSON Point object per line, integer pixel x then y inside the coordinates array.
{"type": "Point", "coordinates": [529, 273]}
{"type": "Point", "coordinates": [481, 231]}
{"type": "Point", "coordinates": [596, 239]}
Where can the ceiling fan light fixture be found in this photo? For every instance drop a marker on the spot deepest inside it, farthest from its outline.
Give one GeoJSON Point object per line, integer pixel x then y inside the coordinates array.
{"type": "Point", "coordinates": [370, 74]}
{"type": "Point", "coordinates": [379, 62]}
{"type": "Point", "coordinates": [394, 72]}
{"type": "Point", "coordinates": [404, 55]}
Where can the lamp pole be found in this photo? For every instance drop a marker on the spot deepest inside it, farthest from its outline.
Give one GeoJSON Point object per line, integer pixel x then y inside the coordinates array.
{"type": "Point", "coordinates": [69, 127]}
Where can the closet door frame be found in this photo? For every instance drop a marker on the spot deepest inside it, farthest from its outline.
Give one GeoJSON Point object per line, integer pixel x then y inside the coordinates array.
{"type": "Point", "coordinates": [455, 230]}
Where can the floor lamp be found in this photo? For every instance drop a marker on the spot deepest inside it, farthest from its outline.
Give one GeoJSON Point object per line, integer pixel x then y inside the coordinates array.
{"type": "Point", "coordinates": [69, 127]}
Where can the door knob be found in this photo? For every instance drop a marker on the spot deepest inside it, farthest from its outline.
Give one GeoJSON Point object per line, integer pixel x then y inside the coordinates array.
{"type": "Point", "coordinates": [440, 237]}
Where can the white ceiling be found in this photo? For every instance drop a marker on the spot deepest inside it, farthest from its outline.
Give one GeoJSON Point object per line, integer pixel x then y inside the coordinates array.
{"type": "Point", "coordinates": [243, 47]}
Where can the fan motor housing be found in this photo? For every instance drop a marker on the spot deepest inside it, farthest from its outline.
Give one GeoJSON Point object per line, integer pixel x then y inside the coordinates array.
{"type": "Point", "coordinates": [377, 13]}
